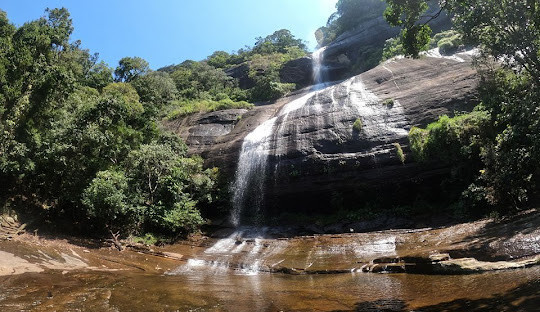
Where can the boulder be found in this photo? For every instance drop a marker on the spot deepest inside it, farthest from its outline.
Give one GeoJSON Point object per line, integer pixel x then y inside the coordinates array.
{"type": "Point", "coordinates": [299, 71]}
{"type": "Point", "coordinates": [241, 72]}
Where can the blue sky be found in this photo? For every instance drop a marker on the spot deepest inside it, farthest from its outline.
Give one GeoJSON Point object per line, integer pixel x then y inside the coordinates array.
{"type": "Point", "coordinates": [167, 31]}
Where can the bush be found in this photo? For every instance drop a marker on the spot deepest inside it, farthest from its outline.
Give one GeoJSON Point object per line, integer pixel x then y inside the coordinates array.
{"type": "Point", "coordinates": [389, 103]}
{"type": "Point", "coordinates": [399, 152]}
{"type": "Point", "coordinates": [451, 139]}
{"type": "Point", "coordinates": [392, 47]}
{"type": "Point", "coordinates": [358, 125]}
{"type": "Point", "coordinates": [106, 200]}
{"type": "Point", "coordinates": [187, 107]}
{"type": "Point", "coordinates": [448, 42]}
{"type": "Point", "coordinates": [266, 89]}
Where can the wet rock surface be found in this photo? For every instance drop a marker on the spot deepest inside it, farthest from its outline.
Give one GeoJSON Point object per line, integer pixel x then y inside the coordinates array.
{"type": "Point", "coordinates": [315, 151]}
{"type": "Point", "coordinates": [245, 271]}
{"type": "Point", "coordinates": [458, 249]}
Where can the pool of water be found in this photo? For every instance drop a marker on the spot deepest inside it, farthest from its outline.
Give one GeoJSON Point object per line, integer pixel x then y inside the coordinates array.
{"type": "Point", "coordinates": [513, 290]}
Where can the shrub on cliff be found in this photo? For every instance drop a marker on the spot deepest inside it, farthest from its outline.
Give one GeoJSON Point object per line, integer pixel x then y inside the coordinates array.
{"type": "Point", "coordinates": [187, 107]}
{"type": "Point", "coordinates": [493, 149]}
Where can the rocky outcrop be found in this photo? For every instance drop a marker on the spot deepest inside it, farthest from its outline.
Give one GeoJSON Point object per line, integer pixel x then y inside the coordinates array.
{"type": "Point", "coordinates": [299, 71]}
{"type": "Point", "coordinates": [241, 73]}
{"type": "Point", "coordinates": [200, 131]}
{"type": "Point", "coordinates": [317, 160]}
{"type": "Point", "coordinates": [356, 50]}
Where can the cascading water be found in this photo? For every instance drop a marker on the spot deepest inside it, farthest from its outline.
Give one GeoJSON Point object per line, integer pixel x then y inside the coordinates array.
{"type": "Point", "coordinates": [319, 70]}
{"type": "Point", "coordinates": [246, 249]}
{"type": "Point", "coordinates": [249, 186]}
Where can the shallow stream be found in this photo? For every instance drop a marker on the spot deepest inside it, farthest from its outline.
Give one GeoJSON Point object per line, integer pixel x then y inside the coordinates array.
{"type": "Point", "coordinates": [515, 290]}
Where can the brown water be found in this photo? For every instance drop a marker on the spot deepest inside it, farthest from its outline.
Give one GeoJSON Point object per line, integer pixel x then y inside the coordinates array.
{"type": "Point", "coordinates": [516, 290]}
{"type": "Point", "coordinates": [231, 274]}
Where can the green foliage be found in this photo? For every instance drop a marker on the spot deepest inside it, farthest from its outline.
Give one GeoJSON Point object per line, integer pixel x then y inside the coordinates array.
{"type": "Point", "coordinates": [264, 70]}
{"type": "Point", "coordinates": [207, 80]}
{"type": "Point", "coordinates": [158, 192]}
{"type": "Point", "coordinates": [278, 42]}
{"type": "Point", "coordinates": [392, 47]}
{"type": "Point", "coordinates": [156, 90]}
{"type": "Point", "coordinates": [85, 148]}
{"type": "Point", "coordinates": [451, 139]}
{"type": "Point", "coordinates": [130, 68]}
{"type": "Point", "coordinates": [99, 76]}
{"type": "Point", "coordinates": [389, 103]}
{"type": "Point", "coordinates": [148, 239]}
{"type": "Point", "coordinates": [187, 107]}
{"type": "Point", "coordinates": [199, 80]}
{"type": "Point", "coordinates": [511, 161]}
{"type": "Point", "coordinates": [506, 30]}
{"type": "Point", "coordinates": [498, 142]}
{"type": "Point", "coordinates": [106, 198]}
{"type": "Point", "coordinates": [166, 187]}
{"type": "Point", "coordinates": [218, 59]}
{"type": "Point", "coordinates": [358, 125]}
{"type": "Point", "coordinates": [267, 88]}
{"type": "Point", "coordinates": [414, 36]}
{"type": "Point", "coordinates": [448, 42]}
{"type": "Point", "coordinates": [126, 92]}
{"type": "Point", "coordinates": [399, 152]}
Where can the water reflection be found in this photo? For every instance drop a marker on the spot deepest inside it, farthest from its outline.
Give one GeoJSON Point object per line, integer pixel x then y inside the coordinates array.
{"type": "Point", "coordinates": [105, 291]}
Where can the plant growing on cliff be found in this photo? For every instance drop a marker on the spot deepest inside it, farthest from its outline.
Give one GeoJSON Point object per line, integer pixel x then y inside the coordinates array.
{"type": "Point", "coordinates": [389, 103]}
{"type": "Point", "coordinates": [399, 152]}
{"type": "Point", "coordinates": [358, 125]}
{"type": "Point", "coordinates": [448, 42]}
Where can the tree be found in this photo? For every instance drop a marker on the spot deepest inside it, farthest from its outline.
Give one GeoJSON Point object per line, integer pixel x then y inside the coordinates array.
{"type": "Point", "coordinates": [107, 201]}
{"type": "Point", "coordinates": [99, 76]}
{"type": "Point", "coordinates": [506, 30]}
{"type": "Point", "coordinates": [130, 68]}
{"type": "Point", "coordinates": [37, 73]}
{"type": "Point", "coordinates": [415, 36]}
{"type": "Point", "coordinates": [278, 42]}
{"type": "Point", "coordinates": [155, 90]}
{"type": "Point", "coordinates": [169, 186]}
{"type": "Point", "coordinates": [218, 59]}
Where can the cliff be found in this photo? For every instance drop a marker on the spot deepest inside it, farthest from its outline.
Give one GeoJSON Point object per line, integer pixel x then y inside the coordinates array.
{"type": "Point", "coordinates": [315, 152]}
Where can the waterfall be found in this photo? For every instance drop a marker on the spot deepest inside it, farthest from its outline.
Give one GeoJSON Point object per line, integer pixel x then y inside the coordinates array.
{"type": "Point", "coordinates": [325, 111]}
{"type": "Point", "coordinates": [319, 70]}
{"type": "Point", "coordinates": [249, 185]}
{"type": "Point", "coordinates": [248, 188]}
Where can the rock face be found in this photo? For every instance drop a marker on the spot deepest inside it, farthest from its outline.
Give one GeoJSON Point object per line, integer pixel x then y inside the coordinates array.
{"type": "Point", "coordinates": [317, 160]}
{"type": "Point", "coordinates": [299, 71]}
{"type": "Point", "coordinates": [241, 72]}
{"type": "Point", "coordinates": [354, 51]}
